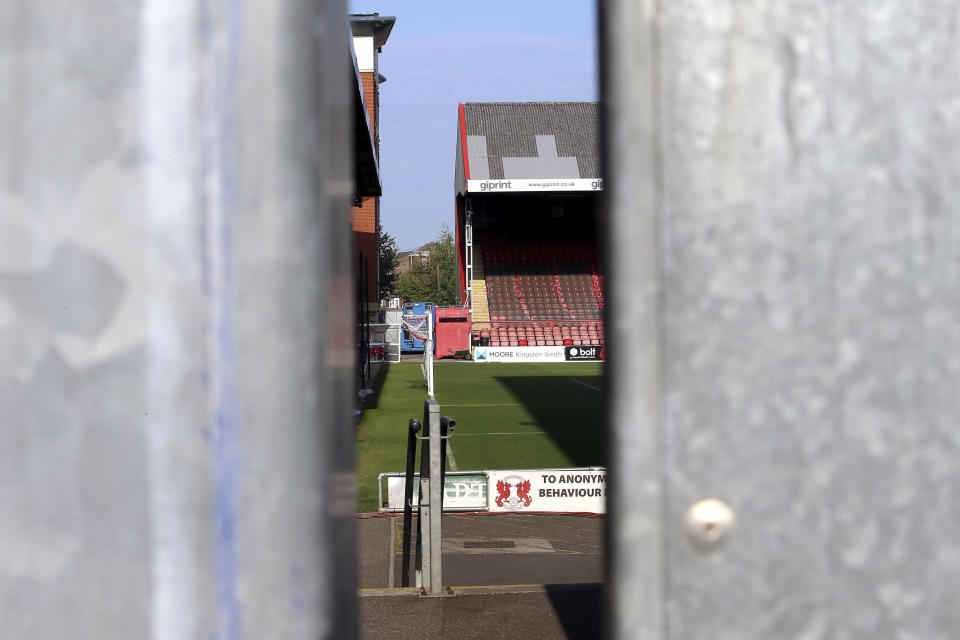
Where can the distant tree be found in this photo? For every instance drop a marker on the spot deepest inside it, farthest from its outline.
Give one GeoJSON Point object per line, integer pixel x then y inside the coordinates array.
{"type": "Point", "coordinates": [443, 262]}
{"type": "Point", "coordinates": [433, 279]}
{"type": "Point", "coordinates": [387, 250]}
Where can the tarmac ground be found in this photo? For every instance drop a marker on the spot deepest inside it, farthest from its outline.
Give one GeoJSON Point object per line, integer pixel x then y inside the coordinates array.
{"type": "Point", "coordinates": [511, 575]}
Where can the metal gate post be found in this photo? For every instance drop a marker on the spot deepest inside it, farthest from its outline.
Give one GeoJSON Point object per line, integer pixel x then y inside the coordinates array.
{"type": "Point", "coordinates": [635, 531]}
{"type": "Point", "coordinates": [176, 368]}
{"type": "Point", "coordinates": [781, 183]}
{"type": "Point", "coordinates": [431, 496]}
{"type": "Point", "coordinates": [436, 498]}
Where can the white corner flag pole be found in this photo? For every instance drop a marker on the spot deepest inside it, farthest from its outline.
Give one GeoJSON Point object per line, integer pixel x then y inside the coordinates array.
{"type": "Point", "coordinates": [428, 348]}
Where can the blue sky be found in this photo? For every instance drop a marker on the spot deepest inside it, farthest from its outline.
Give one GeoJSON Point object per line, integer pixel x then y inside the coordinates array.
{"type": "Point", "coordinates": [443, 53]}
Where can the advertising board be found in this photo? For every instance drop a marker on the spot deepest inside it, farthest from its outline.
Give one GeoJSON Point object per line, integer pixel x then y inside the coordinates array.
{"type": "Point", "coordinates": [519, 354]}
{"type": "Point", "coordinates": [460, 492]}
{"type": "Point", "coordinates": [582, 353]}
{"type": "Point", "coordinates": [557, 490]}
{"type": "Point", "coordinates": [538, 184]}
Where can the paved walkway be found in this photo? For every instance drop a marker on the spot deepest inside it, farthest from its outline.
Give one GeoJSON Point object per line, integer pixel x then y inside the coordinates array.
{"type": "Point", "coordinates": [548, 613]}
{"type": "Point", "coordinates": [513, 576]}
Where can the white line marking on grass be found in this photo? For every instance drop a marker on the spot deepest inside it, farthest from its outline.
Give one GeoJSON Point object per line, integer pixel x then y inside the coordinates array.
{"type": "Point", "coordinates": [453, 461]}
{"type": "Point", "coordinates": [585, 384]}
{"type": "Point", "coordinates": [525, 433]}
{"type": "Point", "coordinates": [504, 404]}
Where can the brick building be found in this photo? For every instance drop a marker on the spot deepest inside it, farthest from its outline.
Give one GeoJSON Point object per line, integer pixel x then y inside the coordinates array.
{"type": "Point", "coordinates": [406, 259]}
{"type": "Point", "coordinates": [370, 33]}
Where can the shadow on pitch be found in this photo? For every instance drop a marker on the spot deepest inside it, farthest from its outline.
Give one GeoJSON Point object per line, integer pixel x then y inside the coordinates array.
{"type": "Point", "coordinates": [569, 412]}
{"type": "Point", "coordinates": [372, 401]}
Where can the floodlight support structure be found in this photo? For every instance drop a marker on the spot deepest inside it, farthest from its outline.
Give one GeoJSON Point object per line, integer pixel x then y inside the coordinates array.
{"type": "Point", "coordinates": [468, 257]}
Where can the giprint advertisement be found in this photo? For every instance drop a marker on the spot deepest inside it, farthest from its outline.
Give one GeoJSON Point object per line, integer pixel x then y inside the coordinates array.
{"type": "Point", "coordinates": [553, 490]}
{"type": "Point", "coordinates": [540, 184]}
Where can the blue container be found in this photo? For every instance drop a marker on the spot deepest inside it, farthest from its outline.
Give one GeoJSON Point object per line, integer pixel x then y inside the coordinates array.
{"type": "Point", "coordinates": [409, 343]}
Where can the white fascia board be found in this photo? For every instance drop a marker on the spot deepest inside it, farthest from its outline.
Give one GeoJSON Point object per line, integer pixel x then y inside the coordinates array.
{"type": "Point", "coordinates": [539, 184]}
{"type": "Point", "coordinates": [363, 46]}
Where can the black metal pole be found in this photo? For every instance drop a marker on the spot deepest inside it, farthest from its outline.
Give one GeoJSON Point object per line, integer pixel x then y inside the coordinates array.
{"type": "Point", "coordinates": [424, 473]}
{"type": "Point", "coordinates": [414, 427]}
{"type": "Point", "coordinates": [366, 321]}
{"type": "Point", "coordinates": [361, 383]}
{"type": "Point", "coordinates": [446, 426]}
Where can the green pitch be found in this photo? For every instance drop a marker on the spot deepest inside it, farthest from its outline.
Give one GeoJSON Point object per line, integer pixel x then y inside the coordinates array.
{"type": "Point", "coordinates": [509, 416]}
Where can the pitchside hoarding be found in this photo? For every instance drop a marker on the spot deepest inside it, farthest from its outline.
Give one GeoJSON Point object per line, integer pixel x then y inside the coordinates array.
{"type": "Point", "coordinates": [581, 490]}
{"type": "Point", "coordinates": [460, 492]}
{"type": "Point", "coordinates": [585, 352]}
{"type": "Point", "coordinates": [557, 490]}
{"type": "Point", "coordinates": [518, 354]}
{"type": "Point", "coordinates": [538, 354]}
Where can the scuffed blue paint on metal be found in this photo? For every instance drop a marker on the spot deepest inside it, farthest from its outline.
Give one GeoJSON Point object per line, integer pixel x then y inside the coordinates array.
{"type": "Point", "coordinates": [226, 470]}
{"type": "Point", "coordinates": [298, 603]}
{"type": "Point", "coordinates": [218, 159]}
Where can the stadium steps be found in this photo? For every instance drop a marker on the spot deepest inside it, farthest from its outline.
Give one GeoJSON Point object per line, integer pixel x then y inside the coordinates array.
{"type": "Point", "coordinates": [480, 310]}
{"type": "Point", "coordinates": [477, 261]}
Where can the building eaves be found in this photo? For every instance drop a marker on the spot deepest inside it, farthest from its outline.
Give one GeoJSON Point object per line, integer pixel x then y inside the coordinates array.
{"type": "Point", "coordinates": [366, 169]}
{"type": "Point", "coordinates": [372, 24]}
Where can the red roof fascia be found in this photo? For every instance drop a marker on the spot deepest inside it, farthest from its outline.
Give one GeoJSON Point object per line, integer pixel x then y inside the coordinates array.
{"type": "Point", "coordinates": [463, 144]}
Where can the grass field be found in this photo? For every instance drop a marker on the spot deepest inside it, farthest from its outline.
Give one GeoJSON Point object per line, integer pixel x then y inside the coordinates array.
{"type": "Point", "coordinates": [509, 416]}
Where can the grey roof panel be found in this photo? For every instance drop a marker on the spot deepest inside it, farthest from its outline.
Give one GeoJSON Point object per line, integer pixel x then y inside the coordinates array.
{"type": "Point", "coordinates": [478, 158]}
{"type": "Point", "coordinates": [518, 138]}
{"type": "Point", "coordinates": [547, 164]}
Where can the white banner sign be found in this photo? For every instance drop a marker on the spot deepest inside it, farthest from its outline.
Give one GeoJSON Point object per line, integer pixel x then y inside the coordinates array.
{"type": "Point", "coordinates": [460, 492]}
{"type": "Point", "coordinates": [540, 184]}
{"type": "Point", "coordinates": [519, 354]}
{"type": "Point", "coordinates": [557, 490]}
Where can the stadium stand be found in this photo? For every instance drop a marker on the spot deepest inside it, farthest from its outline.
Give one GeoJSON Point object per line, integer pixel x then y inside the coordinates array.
{"type": "Point", "coordinates": [527, 187]}
{"type": "Point", "coordinates": [539, 286]}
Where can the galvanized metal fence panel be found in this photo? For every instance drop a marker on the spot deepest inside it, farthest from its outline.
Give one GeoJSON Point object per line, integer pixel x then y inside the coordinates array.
{"type": "Point", "coordinates": [785, 272]}
{"type": "Point", "coordinates": [175, 372]}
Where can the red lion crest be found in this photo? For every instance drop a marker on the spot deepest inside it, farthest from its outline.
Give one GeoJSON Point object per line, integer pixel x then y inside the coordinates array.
{"type": "Point", "coordinates": [503, 488]}
{"type": "Point", "coordinates": [523, 492]}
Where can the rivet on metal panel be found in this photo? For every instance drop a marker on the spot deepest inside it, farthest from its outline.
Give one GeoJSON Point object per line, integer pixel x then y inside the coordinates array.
{"type": "Point", "coordinates": [710, 525]}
